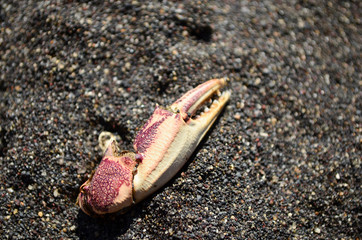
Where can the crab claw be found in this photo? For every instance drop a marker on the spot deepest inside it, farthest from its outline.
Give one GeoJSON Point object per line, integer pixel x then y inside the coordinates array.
{"type": "Point", "coordinates": [169, 137]}
{"type": "Point", "coordinates": [162, 146]}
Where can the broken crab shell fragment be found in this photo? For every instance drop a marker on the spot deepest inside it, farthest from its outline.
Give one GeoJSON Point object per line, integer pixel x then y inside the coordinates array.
{"type": "Point", "coordinates": [162, 146]}
{"type": "Point", "coordinates": [110, 187]}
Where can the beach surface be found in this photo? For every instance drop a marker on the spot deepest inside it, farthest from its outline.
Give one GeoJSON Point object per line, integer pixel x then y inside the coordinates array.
{"type": "Point", "coordinates": [283, 160]}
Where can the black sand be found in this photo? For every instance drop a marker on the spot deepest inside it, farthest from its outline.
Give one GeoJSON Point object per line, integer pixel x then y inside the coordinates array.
{"type": "Point", "coordinates": [282, 162]}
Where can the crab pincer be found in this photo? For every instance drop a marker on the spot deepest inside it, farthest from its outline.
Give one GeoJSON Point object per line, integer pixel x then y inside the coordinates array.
{"type": "Point", "coordinates": [162, 147]}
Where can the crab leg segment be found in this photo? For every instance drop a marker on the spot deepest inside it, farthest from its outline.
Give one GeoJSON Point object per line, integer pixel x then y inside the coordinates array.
{"type": "Point", "coordinates": [110, 187]}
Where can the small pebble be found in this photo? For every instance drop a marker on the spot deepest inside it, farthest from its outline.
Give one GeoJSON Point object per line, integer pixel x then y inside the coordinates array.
{"type": "Point", "coordinates": [56, 193]}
